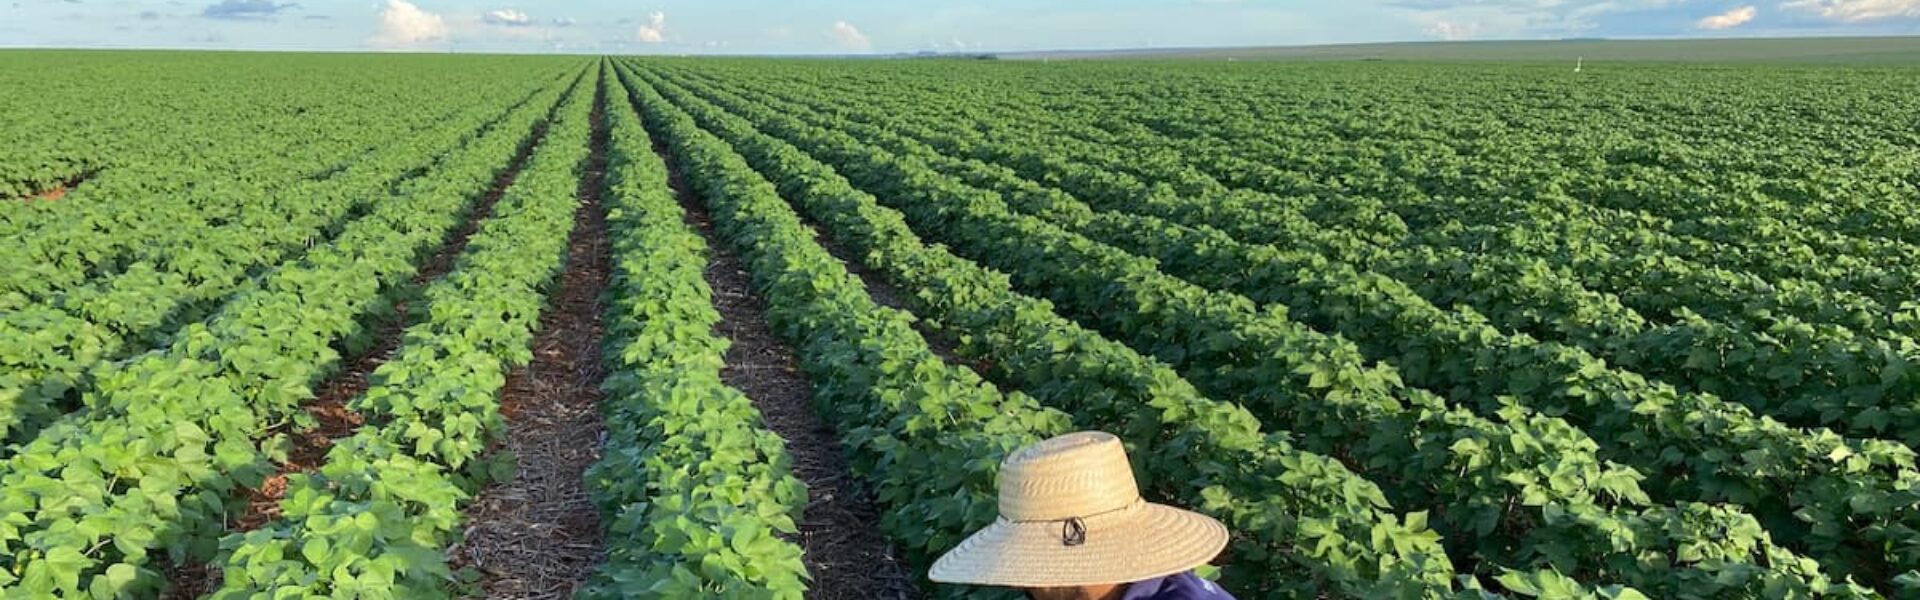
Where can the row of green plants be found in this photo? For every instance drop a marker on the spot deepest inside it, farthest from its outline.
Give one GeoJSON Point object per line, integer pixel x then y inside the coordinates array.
{"type": "Point", "coordinates": [698, 497]}
{"type": "Point", "coordinates": [70, 334]}
{"type": "Point", "coordinates": [1639, 212]}
{"type": "Point", "coordinates": [1775, 202]}
{"type": "Point", "coordinates": [149, 470]}
{"type": "Point", "coordinates": [1559, 497]}
{"type": "Point", "coordinates": [927, 436]}
{"type": "Point", "coordinates": [1807, 353]}
{"type": "Point", "coordinates": [375, 519]}
{"type": "Point", "coordinates": [1808, 374]}
{"type": "Point", "coordinates": [1816, 228]}
{"type": "Point", "coordinates": [1756, 272]}
{"type": "Point", "coordinates": [1308, 522]}
{"type": "Point", "coordinates": [1849, 501]}
{"type": "Point", "coordinates": [1809, 484]}
{"type": "Point", "coordinates": [127, 216]}
{"type": "Point", "coordinates": [156, 115]}
{"type": "Point", "coordinates": [1667, 276]}
{"type": "Point", "coordinates": [1779, 219]}
{"type": "Point", "coordinates": [1708, 451]}
{"type": "Point", "coordinates": [1298, 511]}
{"type": "Point", "coordinates": [52, 258]}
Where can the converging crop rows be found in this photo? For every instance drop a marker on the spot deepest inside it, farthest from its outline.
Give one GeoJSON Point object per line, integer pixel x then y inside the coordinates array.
{"type": "Point", "coordinates": [653, 327]}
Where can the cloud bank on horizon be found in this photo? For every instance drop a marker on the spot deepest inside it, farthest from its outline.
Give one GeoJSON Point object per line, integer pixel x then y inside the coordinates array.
{"type": "Point", "coordinates": [873, 26]}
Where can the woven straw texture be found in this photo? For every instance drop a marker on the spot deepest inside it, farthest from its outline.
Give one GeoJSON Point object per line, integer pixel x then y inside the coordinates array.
{"type": "Point", "coordinates": [1083, 476]}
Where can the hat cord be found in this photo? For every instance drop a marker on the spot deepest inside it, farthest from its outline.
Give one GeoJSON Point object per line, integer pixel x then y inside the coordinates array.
{"type": "Point", "coordinates": [1073, 531]}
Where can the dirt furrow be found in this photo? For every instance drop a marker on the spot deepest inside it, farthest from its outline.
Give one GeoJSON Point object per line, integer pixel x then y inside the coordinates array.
{"type": "Point", "coordinates": [840, 539]}
{"type": "Point", "coordinates": [538, 535]}
{"type": "Point", "coordinates": [885, 294]}
{"type": "Point", "coordinates": [329, 410]}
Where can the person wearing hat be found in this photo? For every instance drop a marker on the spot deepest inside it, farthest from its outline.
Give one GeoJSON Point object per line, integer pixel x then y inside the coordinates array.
{"type": "Point", "coordinates": [1073, 526]}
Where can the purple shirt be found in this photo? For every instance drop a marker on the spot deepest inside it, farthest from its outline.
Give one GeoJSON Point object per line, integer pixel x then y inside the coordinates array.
{"type": "Point", "coordinates": [1182, 586]}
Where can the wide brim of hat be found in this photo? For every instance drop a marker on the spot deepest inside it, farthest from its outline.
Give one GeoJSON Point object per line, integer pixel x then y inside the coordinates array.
{"type": "Point", "coordinates": [1148, 541]}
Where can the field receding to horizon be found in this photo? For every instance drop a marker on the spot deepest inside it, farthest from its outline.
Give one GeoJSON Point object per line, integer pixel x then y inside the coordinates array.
{"type": "Point", "coordinates": [1888, 51]}
{"type": "Point", "coordinates": [293, 325]}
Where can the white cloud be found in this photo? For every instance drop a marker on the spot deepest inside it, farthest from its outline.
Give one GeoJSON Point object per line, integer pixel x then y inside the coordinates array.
{"type": "Point", "coordinates": [1857, 10]}
{"type": "Point", "coordinates": [849, 37]}
{"type": "Point", "coordinates": [403, 24]}
{"type": "Point", "coordinates": [507, 18]}
{"type": "Point", "coordinates": [1728, 20]}
{"type": "Point", "coordinates": [655, 29]}
{"type": "Point", "coordinates": [1517, 19]}
{"type": "Point", "coordinates": [1452, 30]}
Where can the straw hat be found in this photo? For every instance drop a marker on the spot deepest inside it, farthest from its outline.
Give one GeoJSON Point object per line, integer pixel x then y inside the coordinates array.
{"type": "Point", "coordinates": [1071, 515]}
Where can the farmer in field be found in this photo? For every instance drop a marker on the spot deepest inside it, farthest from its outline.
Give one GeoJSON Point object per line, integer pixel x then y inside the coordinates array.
{"type": "Point", "coordinates": [1072, 526]}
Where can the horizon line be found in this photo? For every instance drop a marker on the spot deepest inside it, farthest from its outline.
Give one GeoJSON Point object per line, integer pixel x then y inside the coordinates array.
{"type": "Point", "coordinates": [967, 53]}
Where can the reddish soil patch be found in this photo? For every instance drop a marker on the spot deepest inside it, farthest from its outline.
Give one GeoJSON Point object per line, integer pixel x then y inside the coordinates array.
{"type": "Point", "coordinates": [59, 190]}
{"type": "Point", "coordinates": [309, 451]}
{"type": "Point", "coordinates": [50, 195]}
{"type": "Point", "coordinates": [538, 535]}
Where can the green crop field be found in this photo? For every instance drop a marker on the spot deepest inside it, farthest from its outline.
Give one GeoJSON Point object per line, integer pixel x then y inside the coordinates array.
{"type": "Point", "coordinates": [288, 326]}
{"type": "Point", "coordinates": [1779, 51]}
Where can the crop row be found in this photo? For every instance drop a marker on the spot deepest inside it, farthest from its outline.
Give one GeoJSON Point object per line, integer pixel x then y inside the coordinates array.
{"type": "Point", "coordinates": [1813, 371]}
{"type": "Point", "coordinates": [697, 496]}
{"type": "Point", "coordinates": [221, 120]}
{"type": "Point", "coordinates": [376, 517]}
{"type": "Point", "coordinates": [1805, 373]}
{"type": "Point", "coordinates": [112, 317]}
{"type": "Point", "coordinates": [1824, 480]}
{"type": "Point", "coordinates": [926, 435]}
{"type": "Point", "coordinates": [1202, 452]}
{"type": "Point", "coordinates": [1835, 219]}
{"type": "Point", "coordinates": [1424, 453]}
{"type": "Point", "coordinates": [166, 438]}
{"type": "Point", "coordinates": [1717, 185]}
{"type": "Point", "coordinates": [141, 222]}
{"type": "Point", "coordinates": [1471, 360]}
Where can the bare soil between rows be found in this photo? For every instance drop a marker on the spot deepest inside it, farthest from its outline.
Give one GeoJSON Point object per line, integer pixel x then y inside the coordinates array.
{"type": "Point", "coordinates": [333, 418]}
{"type": "Point", "coordinates": [840, 540]}
{"type": "Point", "coordinates": [538, 535]}
{"type": "Point", "coordinates": [885, 294]}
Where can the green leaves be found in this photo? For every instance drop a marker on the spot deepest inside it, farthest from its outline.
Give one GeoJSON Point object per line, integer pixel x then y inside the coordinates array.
{"type": "Point", "coordinates": [692, 484]}
{"type": "Point", "coordinates": [1545, 347]}
{"type": "Point", "coordinates": [998, 198]}
{"type": "Point", "coordinates": [122, 277]}
{"type": "Point", "coordinates": [926, 434]}
{"type": "Point", "coordinates": [1109, 386]}
{"type": "Point", "coordinates": [375, 519]}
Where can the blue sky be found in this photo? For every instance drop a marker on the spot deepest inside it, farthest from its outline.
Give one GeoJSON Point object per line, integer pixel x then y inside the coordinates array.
{"type": "Point", "coordinates": [863, 26]}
